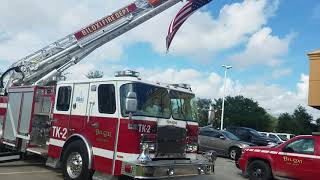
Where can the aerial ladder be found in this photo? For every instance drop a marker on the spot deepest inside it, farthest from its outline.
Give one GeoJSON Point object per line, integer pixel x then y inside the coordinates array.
{"type": "Point", "coordinates": [47, 64]}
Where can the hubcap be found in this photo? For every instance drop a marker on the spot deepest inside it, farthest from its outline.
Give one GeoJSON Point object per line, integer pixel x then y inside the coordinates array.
{"type": "Point", "coordinates": [74, 165]}
{"type": "Point", "coordinates": [233, 154]}
{"type": "Point", "coordinates": [257, 173]}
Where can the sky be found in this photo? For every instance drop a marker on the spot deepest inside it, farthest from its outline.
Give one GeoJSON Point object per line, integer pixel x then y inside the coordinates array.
{"type": "Point", "coordinates": [266, 42]}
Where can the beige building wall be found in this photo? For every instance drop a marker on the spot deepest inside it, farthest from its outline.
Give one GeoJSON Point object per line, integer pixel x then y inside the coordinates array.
{"type": "Point", "coordinates": [314, 79]}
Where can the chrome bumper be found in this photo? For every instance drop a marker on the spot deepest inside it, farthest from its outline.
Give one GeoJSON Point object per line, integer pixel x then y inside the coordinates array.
{"type": "Point", "coordinates": [157, 169]}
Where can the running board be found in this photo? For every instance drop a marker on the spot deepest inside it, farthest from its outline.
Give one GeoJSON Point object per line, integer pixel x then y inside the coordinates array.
{"type": "Point", "coordinates": [40, 151]}
{"type": "Point", "coordinates": [10, 156]}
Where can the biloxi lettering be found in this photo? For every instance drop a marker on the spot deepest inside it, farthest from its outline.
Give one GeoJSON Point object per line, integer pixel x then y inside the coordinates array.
{"type": "Point", "coordinates": [105, 22]}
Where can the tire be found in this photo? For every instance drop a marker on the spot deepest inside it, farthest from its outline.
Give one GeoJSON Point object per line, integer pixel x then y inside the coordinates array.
{"type": "Point", "coordinates": [234, 152]}
{"type": "Point", "coordinates": [259, 170]}
{"type": "Point", "coordinates": [75, 162]}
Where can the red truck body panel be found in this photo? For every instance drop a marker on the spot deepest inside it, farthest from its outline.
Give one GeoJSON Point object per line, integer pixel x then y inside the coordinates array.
{"type": "Point", "coordinates": [285, 164]}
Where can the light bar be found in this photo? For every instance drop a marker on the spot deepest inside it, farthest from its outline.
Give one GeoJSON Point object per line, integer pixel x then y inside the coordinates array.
{"type": "Point", "coordinates": [127, 73]}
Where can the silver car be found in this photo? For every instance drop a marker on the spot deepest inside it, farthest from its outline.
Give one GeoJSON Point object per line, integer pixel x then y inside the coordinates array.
{"type": "Point", "coordinates": [223, 142]}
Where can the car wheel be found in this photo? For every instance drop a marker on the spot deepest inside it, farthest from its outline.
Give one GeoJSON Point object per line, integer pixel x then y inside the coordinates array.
{"type": "Point", "coordinates": [233, 153]}
{"type": "Point", "coordinates": [75, 162]}
{"type": "Point", "coordinates": [259, 170]}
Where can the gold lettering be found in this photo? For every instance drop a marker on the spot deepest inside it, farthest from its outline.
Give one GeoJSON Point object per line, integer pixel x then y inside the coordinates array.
{"type": "Point", "coordinates": [112, 16]}
{"type": "Point", "coordinates": [98, 25]}
{"type": "Point", "coordinates": [120, 13]}
{"type": "Point", "coordinates": [93, 27]}
{"type": "Point", "coordinates": [125, 11]}
{"type": "Point", "coordinates": [104, 22]}
{"type": "Point", "coordinates": [84, 32]}
{"type": "Point", "coordinates": [109, 19]}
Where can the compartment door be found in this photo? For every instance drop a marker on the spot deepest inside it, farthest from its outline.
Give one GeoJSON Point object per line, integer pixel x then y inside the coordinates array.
{"type": "Point", "coordinates": [26, 112]}
{"type": "Point", "coordinates": [78, 118]}
{"type": "Point", "coordinates": [12, 117]}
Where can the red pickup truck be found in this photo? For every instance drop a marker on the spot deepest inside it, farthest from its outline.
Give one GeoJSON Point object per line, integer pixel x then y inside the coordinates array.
{"type": "Point", "coordinates": [298, 158]}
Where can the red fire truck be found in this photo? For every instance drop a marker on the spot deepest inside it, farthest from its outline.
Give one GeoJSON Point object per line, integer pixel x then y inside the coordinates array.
{"type": "Point", "coordinates": [101, 128]}
{"type": "Point", "coordinates": [298, 158]}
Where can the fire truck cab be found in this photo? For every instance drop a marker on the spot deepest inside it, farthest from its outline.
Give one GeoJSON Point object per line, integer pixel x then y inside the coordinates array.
{"type": "Point", "coordinates": [108, 127]}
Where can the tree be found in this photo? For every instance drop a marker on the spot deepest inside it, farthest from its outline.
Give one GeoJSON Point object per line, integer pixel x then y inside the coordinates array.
{"type": "Point", "coordinates": [241, 111]}
{"type": "Point", "coordinates": [302, 121]}
{"type": "Point", "coordinates": [203, 106]}
{"type": "Point", "coordinates": [286, 123]}
{"type": "Point", "coordinates": [297, 123]}
{"type": "Point", "coordinates": [94, 74]}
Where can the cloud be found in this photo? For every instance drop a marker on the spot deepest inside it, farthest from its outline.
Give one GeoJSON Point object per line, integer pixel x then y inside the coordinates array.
{"type": "Point", "coordinates": [263, 49]}
{"type": "Point", "coordinates": [201, 35]}
{"type": "Point", "coordinates": [278, 73]}
{"type": "Point", "coordinates": [274, 98]}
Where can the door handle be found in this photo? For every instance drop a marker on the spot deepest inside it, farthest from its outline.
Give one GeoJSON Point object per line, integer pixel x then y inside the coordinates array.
{"type": "Point", "coordinates": [95, 125]}
{"type": "Point", "coordinates": [74, 106]}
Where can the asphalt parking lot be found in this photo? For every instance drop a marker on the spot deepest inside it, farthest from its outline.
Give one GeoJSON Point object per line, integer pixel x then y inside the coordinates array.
{"type": "Point", "coordinates": [33, 168]}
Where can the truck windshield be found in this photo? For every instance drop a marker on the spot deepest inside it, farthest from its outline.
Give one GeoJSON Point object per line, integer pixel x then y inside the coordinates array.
{"type": "Point", "coordinates": [183, 106]}
{"type": "Point", "coordinates": [153, 101]}
{"type": "Point", "coordinates": [156, 101]}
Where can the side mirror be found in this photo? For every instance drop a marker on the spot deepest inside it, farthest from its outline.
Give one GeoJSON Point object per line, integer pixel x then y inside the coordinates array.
{"type": "Point", "coordinates": [222, 137]}
{"type": "Point", "coordinates": [131, 102]}
{"type": "Point", "coordinates": [211, 115]}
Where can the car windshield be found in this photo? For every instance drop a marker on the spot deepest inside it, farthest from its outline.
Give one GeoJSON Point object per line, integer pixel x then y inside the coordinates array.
{"type": "Point", "coordinates": [283, 137]}
{"type": "Point", "coordinates": [254, 132]}
{"type": "Point", "coordinates": [154, 101]}
{"type": "Point", "coordinates": [230, 135]}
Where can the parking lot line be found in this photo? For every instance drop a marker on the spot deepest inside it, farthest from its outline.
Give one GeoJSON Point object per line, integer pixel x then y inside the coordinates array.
{"type": "Point", "coordinates": [29, 172]}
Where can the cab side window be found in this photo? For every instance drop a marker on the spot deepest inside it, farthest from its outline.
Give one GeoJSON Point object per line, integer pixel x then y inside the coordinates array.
{"type": "Point", "coordinates": [106, 99]}
{"type": "Point", "coordinates": [301, 146]}
{"type": "Point", "coordinates": [64, 96]}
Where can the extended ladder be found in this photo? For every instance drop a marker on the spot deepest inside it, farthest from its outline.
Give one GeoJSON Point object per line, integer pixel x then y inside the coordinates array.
{"type": "Point", "coordinates": [41, 66]}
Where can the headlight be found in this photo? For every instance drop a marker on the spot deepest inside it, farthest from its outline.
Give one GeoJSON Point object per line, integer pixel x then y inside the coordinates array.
{"type": "Point", "coordinates": [244, 146]}
{"type": "Point", "coordinates": [191, 148]}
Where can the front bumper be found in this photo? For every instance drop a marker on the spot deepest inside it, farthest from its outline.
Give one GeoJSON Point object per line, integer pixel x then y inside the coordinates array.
{"type": "Point", "coordinates": [158, 169]}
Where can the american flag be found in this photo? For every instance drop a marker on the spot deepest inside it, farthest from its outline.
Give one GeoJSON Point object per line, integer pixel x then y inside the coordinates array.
{"type": "Point", "coordinates": [182, 16]}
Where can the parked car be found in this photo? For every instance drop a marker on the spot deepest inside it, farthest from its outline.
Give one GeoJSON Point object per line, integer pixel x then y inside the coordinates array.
{"type": "Point", "coordinates": [252, 136]}
{"type": "Point", "coordinates": [286, 136]}
{"type": "Point", "coordinates": [223, 142]}
{"type": "Point", "coordinates": [297, 158]}
{"type": "Point", "coordinates": [274, 136]}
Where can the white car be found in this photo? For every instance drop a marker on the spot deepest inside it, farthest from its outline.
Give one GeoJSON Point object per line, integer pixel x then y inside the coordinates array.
{"type": "Point", "coordinates": [279, 137]}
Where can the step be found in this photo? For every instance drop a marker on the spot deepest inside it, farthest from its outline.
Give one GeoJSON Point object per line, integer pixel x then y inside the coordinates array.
{"type": "Point", "coordinates": [38, 150]}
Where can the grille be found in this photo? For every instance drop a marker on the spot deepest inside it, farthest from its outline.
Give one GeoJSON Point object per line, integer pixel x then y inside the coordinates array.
{"type": "Point", "coordinates": [171, 141]}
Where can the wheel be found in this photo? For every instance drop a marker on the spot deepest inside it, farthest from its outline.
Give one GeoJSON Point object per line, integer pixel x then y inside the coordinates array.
{"type": "Point", "coordinates": [75, 162]}
{"type": "Point", "coordinates": [259, 170]}
{"type": "Point", "coordinates": [234, 152]}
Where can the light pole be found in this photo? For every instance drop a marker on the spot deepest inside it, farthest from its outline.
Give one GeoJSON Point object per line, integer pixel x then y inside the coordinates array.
{"type": "Point", "coordinates": [224, 92]}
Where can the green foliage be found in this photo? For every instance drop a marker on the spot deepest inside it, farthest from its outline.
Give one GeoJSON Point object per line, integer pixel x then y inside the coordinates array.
{"type": "Point", "coordinates": [241, 111]}
{"type": "Point", "coordinates": [286, 123]}
{"type": "Point", "coordinates": [300, 122]}
{"type": "Point", "coordinates": [203, 106]}
{"type": "Point", "coordinates": [94, 74]}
